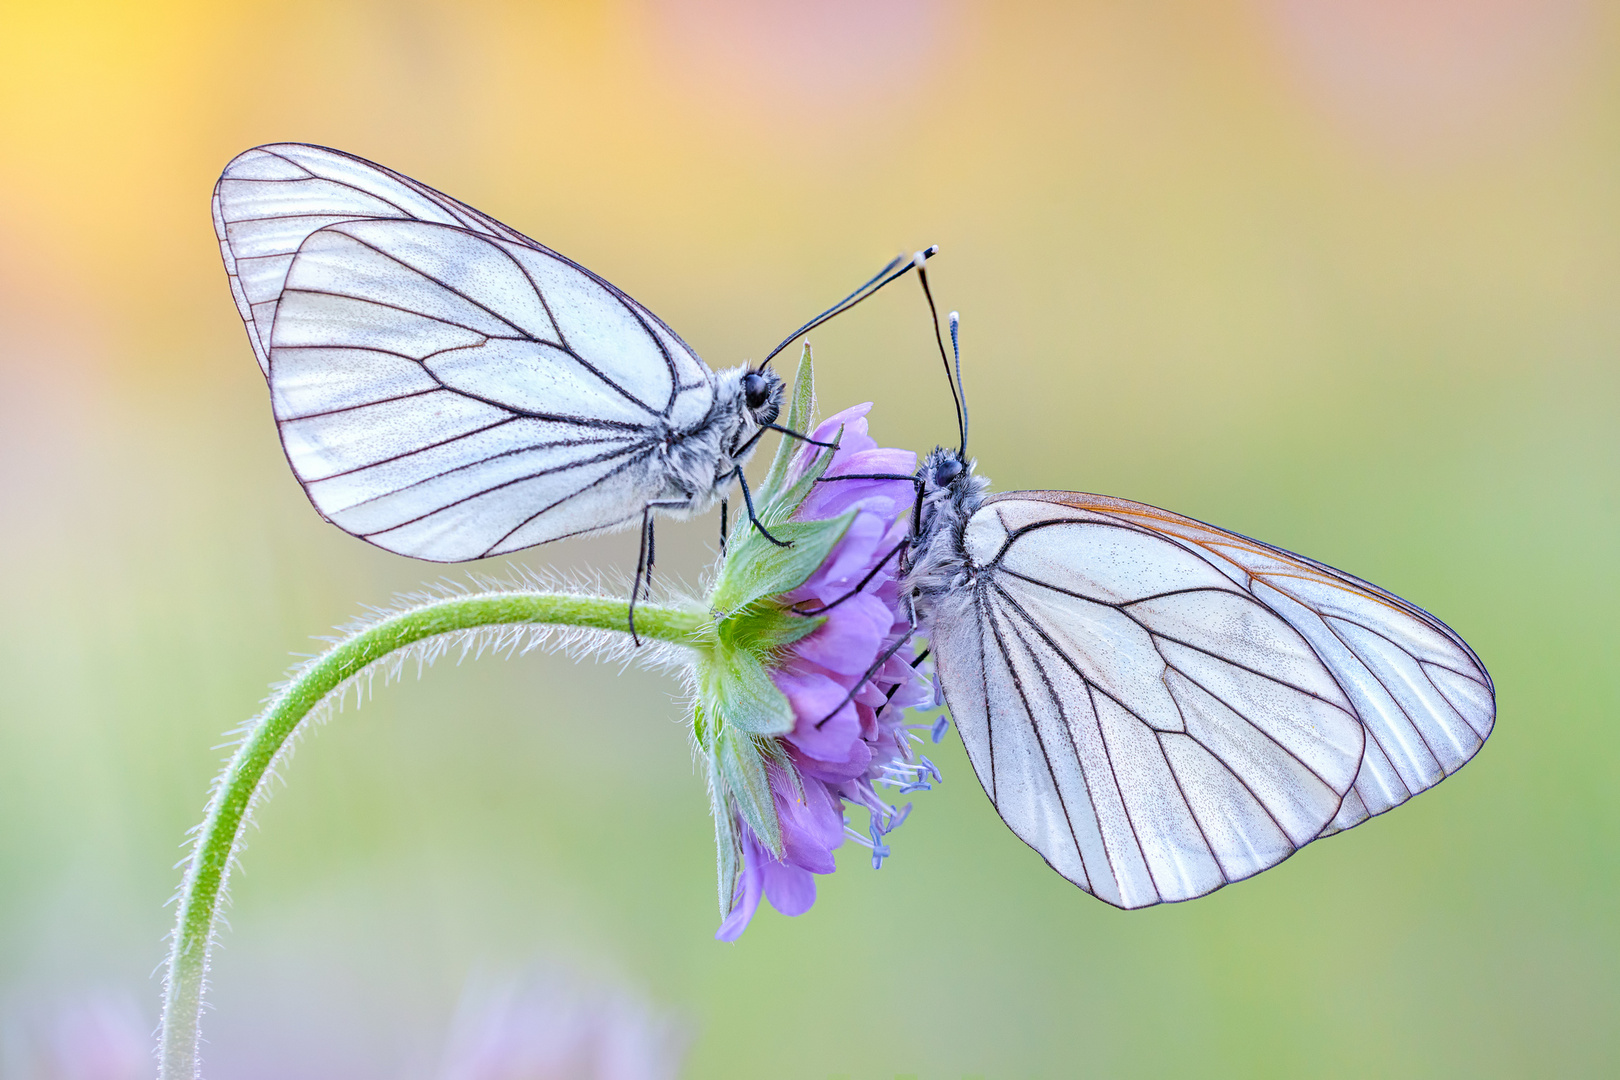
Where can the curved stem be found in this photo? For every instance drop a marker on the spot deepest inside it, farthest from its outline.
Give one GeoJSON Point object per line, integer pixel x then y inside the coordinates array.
{"type": "Point", "coordinates": [239, 785]}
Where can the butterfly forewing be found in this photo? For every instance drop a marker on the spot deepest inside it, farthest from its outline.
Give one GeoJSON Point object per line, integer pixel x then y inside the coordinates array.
{"type": "Point", "coordinates": [1159, 707]}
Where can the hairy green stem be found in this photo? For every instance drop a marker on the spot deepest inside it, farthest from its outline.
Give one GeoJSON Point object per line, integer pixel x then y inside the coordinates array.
{"type": "Point", "coordinates": [204, 885]}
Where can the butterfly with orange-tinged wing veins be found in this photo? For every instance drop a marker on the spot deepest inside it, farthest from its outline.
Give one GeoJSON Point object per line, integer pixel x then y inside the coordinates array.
{"type": "Point", "coordinates": [1160, 707]}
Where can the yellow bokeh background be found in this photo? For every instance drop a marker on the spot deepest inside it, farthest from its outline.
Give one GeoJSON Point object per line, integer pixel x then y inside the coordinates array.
{"type": "Point", "coordinates": [1340, 274]}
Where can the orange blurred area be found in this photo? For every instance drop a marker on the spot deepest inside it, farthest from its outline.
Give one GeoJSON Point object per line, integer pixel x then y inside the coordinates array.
{"type": "Point", "coordinates": [1340, 274]}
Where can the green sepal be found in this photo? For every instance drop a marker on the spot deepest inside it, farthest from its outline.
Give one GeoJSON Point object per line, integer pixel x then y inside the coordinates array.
{"type": "Point", "coordinates": [740, 695]}
{"type": "Point", "coordinates": [764, 628]}
{"type": "Point", "coordinates": [702, 730]}
{"type": "Point", "coordinates": [776, 753]}
{"type": "Point", "coordinates": [743, 771]}
{"type": "Point", "coordinates": [727, 844]}
{"type": "Point", "coordinates": [756, 568]}
{"type": "Point", "coordinates": [740, 714]}
{"type": "Point", "coordinates": [800, 415]}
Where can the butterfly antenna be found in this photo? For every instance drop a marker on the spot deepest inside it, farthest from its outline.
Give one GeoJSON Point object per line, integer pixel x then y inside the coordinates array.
{"type": "Point", "coordinates": [939, 339]}
{"type": "Point", "coordinates": [891, 272]}
{"type": "Point", "coordinates": [956, 350]}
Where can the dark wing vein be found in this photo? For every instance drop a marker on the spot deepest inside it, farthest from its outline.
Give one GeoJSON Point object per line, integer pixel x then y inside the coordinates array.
{"type": "Point", "coordinates": [1396, 698]}
{"type": "Point", "coordinates": [1158, 742]}
{"type": "Point", "coordinates": [368, 404]}
{"type": "Point", "coordinates": [984, 682]}
{"type": "Point", "coordinates": [622, 447]}
{"type": "Point", "coordinates": [1035, 729]}
{"type": "Point", "coordinates": [508, 483]}
{"type": "Point", "coordinates": [1095, 689]}
{"type": "Point", "coordinates": [571, 495]}
{"type": "Point", "coordinates": [518, 331]}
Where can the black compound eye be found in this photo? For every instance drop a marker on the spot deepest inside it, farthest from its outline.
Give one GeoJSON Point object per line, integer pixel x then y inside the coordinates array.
{"type": "Point", "coordinates": [756, 389]}
{"type": "Point", "coordinates": [947, 470]}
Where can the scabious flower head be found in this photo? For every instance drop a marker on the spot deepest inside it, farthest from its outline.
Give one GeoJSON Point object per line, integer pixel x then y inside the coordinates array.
{"type": "Point", "coordinates": [840, 654]}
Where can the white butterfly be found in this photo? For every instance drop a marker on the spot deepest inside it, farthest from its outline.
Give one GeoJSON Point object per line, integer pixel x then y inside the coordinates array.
{"type": "Point", "coordinates": [1159, 707]}
{"type": "Point", "coordinates": [447, 388]}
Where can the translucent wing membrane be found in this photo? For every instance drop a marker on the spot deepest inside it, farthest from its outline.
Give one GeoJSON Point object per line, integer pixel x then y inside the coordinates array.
{"type": "Point", "coordinates": [1159, 707]}
{"type": "Point", "coordinates": [449, 395]}
{"type": "Point", "coordinates": [272, 197]}
{"type": "Point", "coordinates": [445, 387]}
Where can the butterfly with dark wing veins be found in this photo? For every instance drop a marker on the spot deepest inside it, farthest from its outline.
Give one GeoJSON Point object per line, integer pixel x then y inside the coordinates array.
{"type": "Point", "coordinates": [448, 389]}
{"type": "Point", "coordinates": [1160, 707]}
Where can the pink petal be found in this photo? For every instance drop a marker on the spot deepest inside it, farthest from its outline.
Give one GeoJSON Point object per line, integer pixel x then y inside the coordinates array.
{"type": "Point", "coordinates": [851, 640]}
{"type": "Point", "coordinates": [750, 885]}
{"type": "Point", "coordinates": [836, 772]}
{"type": "Point", "coordinates": [853, 421]}
{"type": "Point", "coordinates": [790, 889]}
{"type": "Point", "coordinates": [854, 555]}
{"type": "Point", "coordinates": [880, 459]}
{"type": "Point", "coordinates": [812, 826]}
{"type": "Point", "coordinates": [886, 498]}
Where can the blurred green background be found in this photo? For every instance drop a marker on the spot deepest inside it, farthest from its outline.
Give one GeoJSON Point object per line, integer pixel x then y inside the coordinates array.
{"type": "Point", "coordinates": [1340, 274]}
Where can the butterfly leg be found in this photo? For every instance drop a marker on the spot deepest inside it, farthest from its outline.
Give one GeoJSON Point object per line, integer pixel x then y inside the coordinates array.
{"type": "Point", "coordinates": [865, 581]}
{"type": "Point", "coordinates": [644, 561]}
{"type": "Point", "coordinates": [910, 633]}
{"type": "Point", "coordinates": [652, 534]}
{"type": "Point", "coordinates": [643, 569]}
{"type": "Point", "coordinates": [763, 428]}
{"type": "Point", "coordinates": [801, 436]}
{"type": "Point", "coordinates": [916, 514]}
{"type": "Point", "coordinates": [915, 663]}
{"type": "Point", "coordinates": [748, 501]}
{"type": "Point", "coordinates": [722, 528]}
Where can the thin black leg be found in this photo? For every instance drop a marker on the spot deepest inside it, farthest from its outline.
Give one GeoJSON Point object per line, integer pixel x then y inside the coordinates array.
{"type": "Point", "coordinates": [916, 662]}
{"type": "Point", "coordinates": [748, 500]}
{"type": "Point", "coordinates": [749, 445]}
{"type": "Point", "coordinates": [875, 668]}
{"type": "Point", "coordinates": [722, 527]}
{"type": "Point", "coordinates": [763, 428]}
{"type": "Point", "coordinates": [916, 513]}
{"type": "Point", "coordinates": [865, 581]}
{"type": "Point", "coordinates": [643, 568]}
{"type": "Point", "coordinates": [798, 435]}
{"type": "Point", "coordinates": [870, 476]}
{"type": "Point", "coordinates": [644, 558]}
{"type": "Point", "coordinates": [652, 533]}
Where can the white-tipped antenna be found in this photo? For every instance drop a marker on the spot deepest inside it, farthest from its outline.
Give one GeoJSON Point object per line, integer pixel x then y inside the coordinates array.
{"type": "Point", "coordinates": [897, 267]}
{"type": "Point", "coordinates": [961, 417]}
{"type": "Point", "coordinates": [955, 319]}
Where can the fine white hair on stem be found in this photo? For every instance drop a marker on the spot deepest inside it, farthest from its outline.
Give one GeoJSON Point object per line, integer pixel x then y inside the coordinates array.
{"type": "Point", "coordinates": [557, 598]}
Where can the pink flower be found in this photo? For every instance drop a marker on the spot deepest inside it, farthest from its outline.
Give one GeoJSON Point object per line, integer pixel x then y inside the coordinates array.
{"type": "Point", "coordinates": [848, 735]}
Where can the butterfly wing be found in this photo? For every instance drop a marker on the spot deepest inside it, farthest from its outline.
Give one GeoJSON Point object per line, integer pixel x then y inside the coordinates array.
{"type": "Point", "coordinates": [270, 198]}
{"type": "Point", "coordinates": [1160, 707]}
{"type": "Point", "coordinates": [445, 387]}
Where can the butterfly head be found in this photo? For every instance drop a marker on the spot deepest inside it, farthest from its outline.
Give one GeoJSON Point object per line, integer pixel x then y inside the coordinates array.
{"type": "Point", "coordinates": [763, 392]}
{"type": "Point", "coordinates": [944, 466]}
{"type": "Point", "coordinates": [947, 490]}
